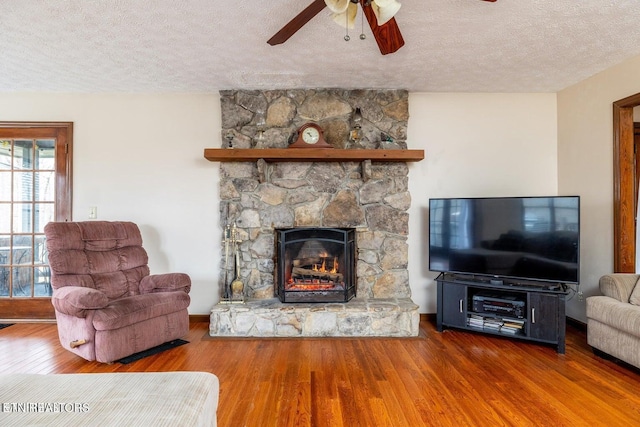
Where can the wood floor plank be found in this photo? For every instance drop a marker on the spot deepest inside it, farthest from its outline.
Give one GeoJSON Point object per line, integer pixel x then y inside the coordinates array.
{"type": "Point", "coordinates": [399, 373]}
{"type": "Point", "coordinates": [454, 378]}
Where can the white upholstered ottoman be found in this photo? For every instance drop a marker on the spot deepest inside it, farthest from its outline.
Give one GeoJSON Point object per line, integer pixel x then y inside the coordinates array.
{"type": "Point", "coordinates": [110, 399]}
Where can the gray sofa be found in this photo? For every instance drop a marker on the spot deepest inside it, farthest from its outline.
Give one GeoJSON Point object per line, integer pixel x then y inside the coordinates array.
{"type": "Point", "coordinates": [613, 319]}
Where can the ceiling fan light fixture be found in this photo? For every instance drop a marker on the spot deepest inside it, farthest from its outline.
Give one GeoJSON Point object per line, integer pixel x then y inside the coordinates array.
{"type": "Point", "coordinates": [385, 10]}
{"type": "Point", "coordinates": [388, 36]}
{"type": "Point", "coordinates": [347, 18]}
{"type": "Point", "coordinates": [337, 6]}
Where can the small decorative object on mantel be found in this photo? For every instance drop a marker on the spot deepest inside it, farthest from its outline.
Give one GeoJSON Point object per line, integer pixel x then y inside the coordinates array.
{"type": "Point", "coordinates": [356, 127]}
{"type": "Point", "coordinates": [260, 129]}
{"type": "Point", "coordinates": [310, 136]}
{"type": "Point", "coordinates": [386, 138]}
{"type": "Point", "coordinates": [229, 137]}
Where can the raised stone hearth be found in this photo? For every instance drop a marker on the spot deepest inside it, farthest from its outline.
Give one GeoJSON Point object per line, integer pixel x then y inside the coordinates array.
{"type": "Point", "coordinates": [389, 317]}
{"type": "Point", "coordinates": [317, 194]}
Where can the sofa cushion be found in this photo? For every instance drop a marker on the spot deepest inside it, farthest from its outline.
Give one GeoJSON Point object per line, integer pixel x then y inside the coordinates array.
{"type": "Point", "coordinates": [126, 311]}
{"type": "Point", "coordinates": [635, 295]}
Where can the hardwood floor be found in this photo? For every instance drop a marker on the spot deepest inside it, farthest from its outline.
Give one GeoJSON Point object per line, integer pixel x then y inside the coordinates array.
{"type": "Point", "coordinates": [438, 379]}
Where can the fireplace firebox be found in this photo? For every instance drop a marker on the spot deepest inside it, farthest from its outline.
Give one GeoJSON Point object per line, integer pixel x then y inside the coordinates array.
{"type": "Point", "coordinates": [315, 264]}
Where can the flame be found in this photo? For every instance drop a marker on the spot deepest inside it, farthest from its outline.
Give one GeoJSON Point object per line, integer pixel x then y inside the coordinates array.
{"type": "Point", "coordinates": [312, 287]}
{"type": "Point", "coordinates": [323, 267]}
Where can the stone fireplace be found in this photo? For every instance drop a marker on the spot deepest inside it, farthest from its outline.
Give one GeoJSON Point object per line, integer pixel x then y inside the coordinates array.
{"type": "Point", "coordinates": [367, 201]}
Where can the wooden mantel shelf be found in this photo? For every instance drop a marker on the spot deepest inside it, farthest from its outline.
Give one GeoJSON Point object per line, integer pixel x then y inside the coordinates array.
{"type": "Point", "coordinates": [310, 155]}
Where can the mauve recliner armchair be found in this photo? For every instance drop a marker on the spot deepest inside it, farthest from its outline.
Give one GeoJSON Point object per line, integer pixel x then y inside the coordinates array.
{"type": "Point", "coordinates": [107, 304]}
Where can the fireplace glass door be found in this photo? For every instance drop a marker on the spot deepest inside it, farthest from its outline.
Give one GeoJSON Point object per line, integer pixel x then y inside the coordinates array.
{"type": "Point", "coordinates": [315, 264]}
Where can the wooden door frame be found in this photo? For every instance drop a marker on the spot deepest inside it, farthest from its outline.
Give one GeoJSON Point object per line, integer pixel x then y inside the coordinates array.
{"type": "Point", "coordinates": [624, 175]}
{"type": "Point", "coordinates": [40, 308]}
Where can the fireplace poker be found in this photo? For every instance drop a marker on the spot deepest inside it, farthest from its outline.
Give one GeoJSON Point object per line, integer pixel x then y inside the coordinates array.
{"type": "Point", "coordinates": [237, 287]}
{"type": "Point", "coordinates": [226, 264]}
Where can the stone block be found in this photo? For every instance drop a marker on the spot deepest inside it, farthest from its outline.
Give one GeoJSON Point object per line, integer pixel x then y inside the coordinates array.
{"type": "Point", "coordinates": [343, 211]}
{"type": "Point", "coordinates": [354, 324]}
{"type": "Point", "coordinates": [264, 326]}
{"type": "Point", "coordinates": [244, 323]}
{"type": "Point", "coordinates": [375, 191]}
{"type": "Point", "coordinates": [320, 324]}
{"type": "Point", "coordinates": [385, 218]}
{"type": "Point", "coordinates": [249, 218]}
{"type": "Point", "coordinates": [271, 195]}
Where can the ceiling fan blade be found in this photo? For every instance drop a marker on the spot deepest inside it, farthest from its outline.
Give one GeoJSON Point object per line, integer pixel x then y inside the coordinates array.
{"type": "Point", "coordinates": [388, 35]}
{"type": "Point", "coordinates": [296, 23]}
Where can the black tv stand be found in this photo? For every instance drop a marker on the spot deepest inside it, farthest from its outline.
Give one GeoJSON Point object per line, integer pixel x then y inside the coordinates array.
{"type": "Point", "coordinates": [525, 310]}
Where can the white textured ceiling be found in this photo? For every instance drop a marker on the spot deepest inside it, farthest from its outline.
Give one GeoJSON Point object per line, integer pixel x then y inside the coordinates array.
{"type": "Point", "coordinates": [209, 45]}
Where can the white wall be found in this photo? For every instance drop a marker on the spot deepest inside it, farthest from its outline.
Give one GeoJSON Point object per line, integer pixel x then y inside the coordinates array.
{"type": "Point", "coordinates": [585, 163]}
{"type": "Point", "coordinates": [475, 145]}
{"type": "Point", "coordinates": [140, 158]}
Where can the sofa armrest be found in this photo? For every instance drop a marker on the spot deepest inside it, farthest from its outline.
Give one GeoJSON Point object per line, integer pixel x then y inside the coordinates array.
{"type": "Point", "coordinates": [76, 300]}
{"type": "Point", "coordinates": [618, 285]}
{"type": "Point", "coordinates": [165, 283]}
{"type": "Point", "coordinates": [615, 314]}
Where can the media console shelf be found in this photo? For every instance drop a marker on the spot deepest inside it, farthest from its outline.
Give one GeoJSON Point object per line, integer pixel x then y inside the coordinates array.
{"type": "Point", "coordinates": [528, 311]}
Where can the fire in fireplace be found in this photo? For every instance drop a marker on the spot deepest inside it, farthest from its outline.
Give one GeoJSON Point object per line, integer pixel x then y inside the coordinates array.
{"type": "Point", "coordinates": [315, 264]}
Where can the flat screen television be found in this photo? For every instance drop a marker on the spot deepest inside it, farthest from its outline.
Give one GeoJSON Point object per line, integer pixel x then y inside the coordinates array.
{"type": "Point", "coordinates": [528, 238]}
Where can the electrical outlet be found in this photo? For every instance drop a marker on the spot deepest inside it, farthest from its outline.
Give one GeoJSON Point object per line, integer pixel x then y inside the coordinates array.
{"type": "Point", "coordinates": [580, 296]}
{"type": "Point", "coordinates": [93, 212]}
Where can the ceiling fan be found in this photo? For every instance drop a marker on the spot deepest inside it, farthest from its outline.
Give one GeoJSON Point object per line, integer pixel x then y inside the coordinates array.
{"type": "Point", "coordinates": [379, 14]}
